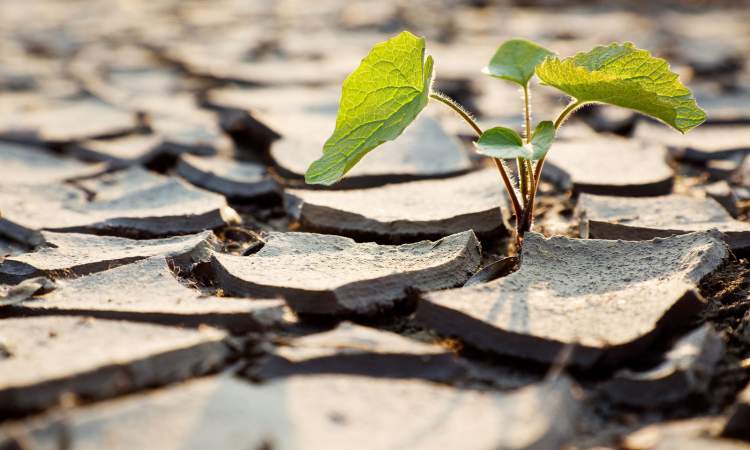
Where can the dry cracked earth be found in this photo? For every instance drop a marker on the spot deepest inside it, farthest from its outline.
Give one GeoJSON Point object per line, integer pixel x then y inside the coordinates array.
{"type": "Point", "coordinates": [169, 281]}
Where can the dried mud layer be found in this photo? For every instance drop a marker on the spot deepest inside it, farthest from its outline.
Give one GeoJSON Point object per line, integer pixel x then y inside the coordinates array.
{"type": "Point", "coordinates": [167, 280]}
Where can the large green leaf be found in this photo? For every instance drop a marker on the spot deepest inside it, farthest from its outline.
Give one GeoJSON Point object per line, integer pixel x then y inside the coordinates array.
{"type": "Point", "coordinates": [378, 101]}
{"type": "Point", "coordinates": [505, 143]}
{"type": "Point", "coordinates": [515, 60]}
{"type": "Point", "coordinates": [623, 75]}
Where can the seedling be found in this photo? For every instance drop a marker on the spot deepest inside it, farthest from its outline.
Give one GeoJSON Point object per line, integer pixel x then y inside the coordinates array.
{"type": "Point", "coordinates": [393, 84]}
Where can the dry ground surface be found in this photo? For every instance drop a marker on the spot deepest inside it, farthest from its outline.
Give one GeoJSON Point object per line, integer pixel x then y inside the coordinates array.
{"type": "Point", "coordinates": [169, 281]}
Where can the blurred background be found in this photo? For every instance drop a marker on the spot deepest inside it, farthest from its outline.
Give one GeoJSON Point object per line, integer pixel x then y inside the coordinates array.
{"type": "Point", "coordinates": [132, 52]}
{"type": "Point", "coordinates": [230, 76]}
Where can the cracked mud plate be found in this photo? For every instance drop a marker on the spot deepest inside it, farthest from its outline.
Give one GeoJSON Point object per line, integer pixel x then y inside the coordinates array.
{"type": "Point", "coordinates": [609, 299]}
{"type": "Point", "coordinates": [148, 291]}
{"type": "Point", "coordinates": [92, 358]}
{"type": "Point", "coordinates": [331, 412]}
{"type": "Point", "coordinates": [131, 203]}
{"type": "Point", "coordinates": [609, 166]}
{"type": "Point", "coordinates": [67, 255]}
{"type": "Point", "coordinates": [322, 274]}
{"type": "Point", "coordinates": [405, 212]}
{"type": "Point", "coordinates": [646, 218]}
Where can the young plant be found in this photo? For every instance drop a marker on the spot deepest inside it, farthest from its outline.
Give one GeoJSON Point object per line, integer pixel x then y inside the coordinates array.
{"type": "Point", "coordinates": [393, 83]}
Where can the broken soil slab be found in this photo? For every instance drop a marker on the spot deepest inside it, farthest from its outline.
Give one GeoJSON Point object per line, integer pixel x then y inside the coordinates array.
{"type": "Point", "coordinates": [357, 350]}
{"type": "Point", "coordinates": [701, 144]}
{"type": "Point", "coordinates": [121, 73]}
{"type": "Point", "coordinates": [424, 150]}
{"type": "Point", "coordinates": [238, 180]}
{"type": "Point", "coordinates": [319, 412]}
{"type": "Point", "coordinates": [23, 164]}
{"type": "Point", "coordinates": [93, 359]}
{"type": "Point", "coordinates": [148, 291]}
{"type": "Point", "coordinates": [132, 203]}
{"type": "Point", "coordinates": [725, 195]}
{"type": "Point", "coordinates": [67, 255]}
{"type": "Point", "coordinates": [113, 185]}
{"type": "Point", "coordinates": [726, 109]}
{"type": "Point", "coordinates": [700, 433]}
{"type": "Point", "coordinates": [725, 169]}
{"type": "Point", "coordinates": [14, 295]}
{"type": "Point", "coordinates": [710, 58]}
{"type": "Point", "coordinates": [610, 166]}
{"type": "Point", "coordinates": [567, 292]}
{"type": "Point", "coordinates": [69, 121]}
{"type": "Point", "coordinates": [610, 119]}
{"type": "Point", "coordinates": [318, 100]}
{"type": "Point", "coordinates": [182, 123]}
{"type": "Point", "coordinates": [201, 60]}
{"type": "Point", "coordinates": [738, 425]}
{"type": "Point", "coordinates": [404, 212]}
{"type": "Point", "coordinates": [494, 270]}
{"type": "Point", "coordinates": [253, 135]}
{"type": "Point", "coordinates": [686, 370]}
{"type": "Point", "coordinates": [171, 125]}
{"type": "Point", "coordinates": [324, 274]}
{"type": "Point", "coordinates": [741, 179]}
{"type": "Point", "coordinates": [256, 117]}
{"type": "Point", "coordinates": [636, 219]}
{"type": "Point", "coordinates": [195, 135]}
{"type": "Point", "coordinates": [134, 149]}
{"type": "Point", "coordinates": [10, 247]}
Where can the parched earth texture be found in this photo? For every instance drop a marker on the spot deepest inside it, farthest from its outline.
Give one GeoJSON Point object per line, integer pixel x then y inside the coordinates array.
{"type": "Point", "coordinates": [169, 281]}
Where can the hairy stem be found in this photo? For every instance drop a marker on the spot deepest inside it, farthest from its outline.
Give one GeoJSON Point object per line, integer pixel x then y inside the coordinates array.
{"type": "Point", "coordinates": [452, 104]}
{"type": "Point", "coordinates": [570, 109]}
{"type": "Point", "coordinates": [527, 113]}
{"type": "Point", "coordinates": [528, 216]}
{"type": "Point", "coordinates": [526, 169]}
{"type": "Point", "coordinates": [517, 209]}
{"type": "Point", "coordinates": [530, 174]}
{"type": "Point", "coordinates": [442, 98]}
{"type": "Point", "coordinates": [564, 114]}
{"type": "Point", "coordinates": [523, 178]}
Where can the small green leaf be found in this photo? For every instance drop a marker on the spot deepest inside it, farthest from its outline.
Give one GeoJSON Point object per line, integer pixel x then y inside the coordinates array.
{"type": "Point", "coordinates": [542, 139]}
{"type": "Point", "coordinates": [505, 143]}
{"type": "Point", "coordinates": [622, 75]}
{"type": "Point", "coordinates": [502, 143]}
{"type": "Point", "coordinates": [515, 60]}
{"type": "Point", "coordinates": [378, 101]}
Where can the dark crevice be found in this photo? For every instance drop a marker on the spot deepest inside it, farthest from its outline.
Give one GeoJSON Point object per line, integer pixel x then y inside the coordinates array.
{"type": "Point", "coordinates": [233, 322]}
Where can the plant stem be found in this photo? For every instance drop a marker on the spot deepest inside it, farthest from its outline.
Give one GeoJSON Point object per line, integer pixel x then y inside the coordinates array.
{"type": "Point", "coordinates": [567, 112]}
{"type": "Point", "coordinates": [528, 168]}
{"type": "Point", "coordinates": [558, 123]}
{"type": "Point", "coordinates": [523, 178]}
{"type": "Point", "coordinates": [457, 109]}
{"type": "Point", "coordinates": [527, 113]}
{"type": "Point", "coordinates": [517, 209]}
{"type": "Point", "coordinates": [525, 167]}
{"type": "Point", "coordinates": [528, 217]}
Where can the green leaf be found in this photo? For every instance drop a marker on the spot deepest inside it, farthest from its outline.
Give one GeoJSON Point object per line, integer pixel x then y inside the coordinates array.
{"type": "Point", "coordinates": [515, 60]}
{"type": "Point", "coordinates": [623, 75]}
{"type": "Point", "coordinates": [505, 143]}
{"type": "Point", "coordinates": [502, 143]}
{"type": "Point", "coordinates": [378, 101]}
{"type": "Point", "coordinates": [542, 139]}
